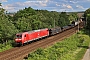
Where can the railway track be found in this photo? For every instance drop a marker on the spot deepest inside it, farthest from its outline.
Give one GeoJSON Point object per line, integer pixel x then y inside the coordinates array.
{"type": "Point", "coordinates": [18, 53]}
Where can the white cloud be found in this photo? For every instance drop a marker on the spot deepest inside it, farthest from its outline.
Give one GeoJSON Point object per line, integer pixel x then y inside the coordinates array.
{"type": "Point", "coordinates": [34, 3]}
{"type": "Point", "coordinates": [21, 5]}
{"type": "Point", "coordinates": [3, 0]}
{"type": "Point", "coordinates": [43, 3]}
{"type": "Point", "coordinates": [9, 8]}
{"type": "Point", "coordinates": [55, 5]}
{"type": "Point", "coordinates": [58, 5]}
{"type": "Point", "coordinates": [67, 6]}
{"type": "Point", "coordinates": [74, 2]}
{"type": "Point", "coordinates": [80, 7]}
{"type": "Point", "coordinates": [88, 0]}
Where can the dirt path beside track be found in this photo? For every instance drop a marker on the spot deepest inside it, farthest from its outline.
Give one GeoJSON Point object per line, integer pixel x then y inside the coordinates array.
{"type": "Point", "coordinates": [87, 54]}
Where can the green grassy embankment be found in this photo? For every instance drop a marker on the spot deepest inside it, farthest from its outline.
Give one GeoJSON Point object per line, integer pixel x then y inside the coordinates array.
{"type": "Point", "coordinates": [6, 46]}
{"type": "Point", "coordinates": [72, 48]}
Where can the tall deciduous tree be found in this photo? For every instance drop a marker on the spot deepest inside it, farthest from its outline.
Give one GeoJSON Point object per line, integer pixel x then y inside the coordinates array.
{"type": "Point", "coordinates": [72, 17]}
{"type": "Point", "coordinates": [87, 16]}
{"type": "Point", "coordinates": [7, 29]}
{"type": "Point", "coordinates": [64, 19]}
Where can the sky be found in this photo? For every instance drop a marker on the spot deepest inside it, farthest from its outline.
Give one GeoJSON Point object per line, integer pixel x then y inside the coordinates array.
{"type": "Point", "coordinates": [50, 5]}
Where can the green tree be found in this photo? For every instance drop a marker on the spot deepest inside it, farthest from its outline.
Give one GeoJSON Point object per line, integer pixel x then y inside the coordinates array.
{"type": "Point", "coordinates": [72, 17]}
{"type": "Point", "coordinates": [63, 20]}
{"type": "Point", "coordinates": [7, 29]}
{"type": "Point", "coordinates": [88, 21]}
{"type": "Point", "coordinates": [87, 12]}
{"type": "Point", "coordinates": [87, 17]}
{"type": "Point", "coordinates": [23, 19]}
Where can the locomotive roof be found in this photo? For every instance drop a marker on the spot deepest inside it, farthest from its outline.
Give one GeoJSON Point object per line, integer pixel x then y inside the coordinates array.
{"type": "Point", "coordinates": [31, 31]}
{"type": "Point", "coordinates": [36, 30]}
{"type": "Point", "coordinates": [55, 28]}
{"type": "Point", "coordinates": [65, 26]}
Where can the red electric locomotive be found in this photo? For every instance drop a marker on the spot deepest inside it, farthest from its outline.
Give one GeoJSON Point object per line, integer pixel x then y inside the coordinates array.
{"type": "Point", "coordinates": [25, 37]}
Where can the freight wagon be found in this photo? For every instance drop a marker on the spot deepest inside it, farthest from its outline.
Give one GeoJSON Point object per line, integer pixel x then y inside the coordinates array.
{"type": "Point", "coordinates": [53, 31]}
{"type": "Point", "coordinates": [75, 22]}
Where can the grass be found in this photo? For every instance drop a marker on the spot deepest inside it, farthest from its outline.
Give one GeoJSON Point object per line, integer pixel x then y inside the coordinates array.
{"type": "Point", "coordinates": [6, 46]}
{"type": "Point", "coordinates": [72, 48]}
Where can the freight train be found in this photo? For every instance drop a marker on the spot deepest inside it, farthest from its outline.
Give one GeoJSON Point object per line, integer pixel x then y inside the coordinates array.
{"type": "Point", "coordinates": [29, 36]}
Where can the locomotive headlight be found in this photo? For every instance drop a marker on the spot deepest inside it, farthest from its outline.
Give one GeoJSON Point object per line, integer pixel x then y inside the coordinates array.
{"type": "Point", "coordinates": [16, 39]}
{"type": "Point", "coordinates": [19, 39]}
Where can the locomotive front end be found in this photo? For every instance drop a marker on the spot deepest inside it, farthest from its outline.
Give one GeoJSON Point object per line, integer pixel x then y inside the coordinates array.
{"type": "Point", "coordinates": [18, 39]}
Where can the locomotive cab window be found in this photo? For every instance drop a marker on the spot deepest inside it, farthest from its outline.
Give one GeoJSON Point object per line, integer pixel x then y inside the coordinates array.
{"type": "Point", "coordinates": [24, 35]}
{"type": "Point", "coordinates": [18, 36]}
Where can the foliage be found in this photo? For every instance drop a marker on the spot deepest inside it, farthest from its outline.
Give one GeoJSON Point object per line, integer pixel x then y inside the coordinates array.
{"type": "Point", "coordinates": [30, 19]}
{"type": "Point", "coordinates": [73, 17]}
{"type": "Point", "coordinates": [87, 12]}
{"type": "Point", "coordinates": [7, 29]}
{"type": "Point", "coordinates": [64, 19]}
{"type": "Point", "coordinates": [88, 21]}
{"type": "Point", "coordinates": [87, 16]}
{"type": "Point", "coordinates": [6, 46]}
{"type": "Point", "coordinates": [66, 49]}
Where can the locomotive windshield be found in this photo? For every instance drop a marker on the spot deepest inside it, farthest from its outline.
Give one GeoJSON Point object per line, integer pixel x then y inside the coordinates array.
{"type": "Point", "coordinates": [18, 36]}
